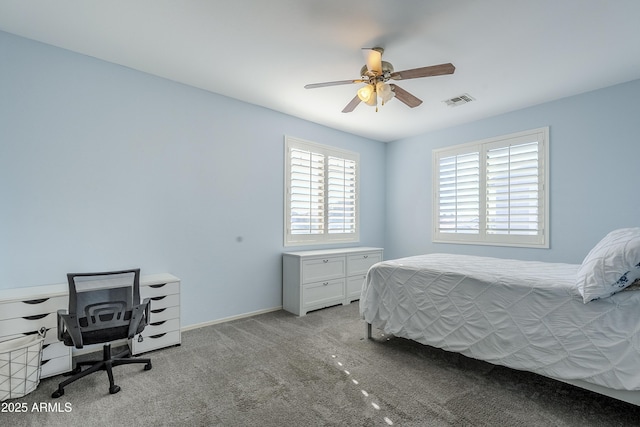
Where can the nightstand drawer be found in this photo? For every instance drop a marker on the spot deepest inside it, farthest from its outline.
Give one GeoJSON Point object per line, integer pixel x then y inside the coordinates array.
{"type": "Point", "coordinates": [321, 294]}
{"type": "Point", "coordinates": [322, 269]}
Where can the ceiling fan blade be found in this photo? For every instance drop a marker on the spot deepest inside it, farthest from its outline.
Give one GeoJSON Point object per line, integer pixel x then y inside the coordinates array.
{"type": "Point", "coordinates": [405, 96]}
{"type": "Point", "coordinates": [433, 70]}
{"type": "Point", "coordinates": [373, 59]}
{"type": "Point", "coordinates": [352, 105]}
{"type": "Point", "coordinates": [336, 83]}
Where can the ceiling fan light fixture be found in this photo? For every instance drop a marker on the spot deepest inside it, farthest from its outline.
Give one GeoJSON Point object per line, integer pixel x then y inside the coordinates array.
{"type": "Point", "coordinates": [367, 94]}
{"type": "Point", "coordinates": [384, 92]}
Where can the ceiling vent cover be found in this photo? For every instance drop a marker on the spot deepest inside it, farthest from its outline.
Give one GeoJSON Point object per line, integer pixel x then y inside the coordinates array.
{"type": "Point", "coordinates": [459, 100]}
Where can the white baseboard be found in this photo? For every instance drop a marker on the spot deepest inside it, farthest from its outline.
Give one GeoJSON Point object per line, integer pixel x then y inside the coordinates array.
{"type": "Point", "coordinates": [230, 318]}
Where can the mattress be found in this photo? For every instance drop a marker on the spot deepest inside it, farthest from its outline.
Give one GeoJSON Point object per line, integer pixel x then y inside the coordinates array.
{"type": "Point", "coordinates": [525, 315]}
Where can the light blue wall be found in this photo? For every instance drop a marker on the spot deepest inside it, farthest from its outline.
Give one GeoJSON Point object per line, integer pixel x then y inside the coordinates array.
{"type": "Point", "coordinates": [594, 175]}
{"type": "Point", "coordinates": [103, 167]}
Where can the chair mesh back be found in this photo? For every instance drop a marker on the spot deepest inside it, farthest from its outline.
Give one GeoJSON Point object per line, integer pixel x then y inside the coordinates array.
{"type": "Point", "coordinates": [103, 300]}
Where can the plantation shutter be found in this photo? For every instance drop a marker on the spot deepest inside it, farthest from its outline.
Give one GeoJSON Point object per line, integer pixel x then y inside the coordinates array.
{"type": "Point", "coordinates": [459, 193]}
{"type": "Point", "coordinates": [321, 194]}
{"type": "Point", "coordinates": [341, 195]}
{"type": "Point", "coordinates": [512, 188]}
{"type": "Point", "coordinates": [306, 192]}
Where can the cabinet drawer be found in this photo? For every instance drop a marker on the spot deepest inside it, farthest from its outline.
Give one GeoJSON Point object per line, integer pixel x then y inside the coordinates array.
{"type": "Point", "coordinates": [55, 366]}
{"type": "Point", "coordinates": [360, 263]}
{"type": "Point", "coordinates": [166, 313]}
{"type": "Point", "coordinates": [57, 349]}
{"type": "Point", "coordinates": [165, 301]}
{"type": "Point", "coordinates": [150, 291]}
{"type": "Point", "coordinates": [354, 287]}
{"type": "Point", "coordinates": [33, 307]}
{"type": "Point", "coordinates": [22, 325]}
{"type": "Point", "coordinates": [322, 294]}
{"type": "Point", "coordinates": [161, 327]}
{"type": "Point", "coordinates": [155, 341]}
{"type": "Point", "coordinates": [322, 269]}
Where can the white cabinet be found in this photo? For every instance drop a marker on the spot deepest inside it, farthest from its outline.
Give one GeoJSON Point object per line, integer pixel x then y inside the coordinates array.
{"type": "Point", "coordinates": [24, 311]}
{"type": "Point", "coordinates": [163, 329]}
{"type": "Point", "coordinates": [321, 278]}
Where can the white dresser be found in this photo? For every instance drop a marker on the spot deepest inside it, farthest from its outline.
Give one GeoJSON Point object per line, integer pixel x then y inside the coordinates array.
{"type": "Point", "coordinates": [24, 311]}
{"type": "Point", "coordinates": [322, 278]}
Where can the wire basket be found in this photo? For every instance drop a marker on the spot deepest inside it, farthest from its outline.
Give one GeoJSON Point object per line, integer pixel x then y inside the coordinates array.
{"type": "Point", "coordinates": [20, 365]}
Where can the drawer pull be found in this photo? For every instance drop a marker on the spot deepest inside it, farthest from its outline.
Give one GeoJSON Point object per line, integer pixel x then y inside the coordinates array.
{"type": "Point", "coordinates": [325, 261]}
{"type": "Point", "coordinates": [157, 323]}
{"type": "Point", "coordinates": [157, 286]}
{"type": "Point", "coordinates": [36, 317]}
{"type": "Point", "coordinates": [326, 283]}
{"type": "Point", "coordinates": [158, 298]}
{"type": "Point", "coordinates": [33, 332]}
{"type": "Point", "coordinates": [157, 336]}
{"type": "Point", "coordinates": [160, 310]}
{"type": "Point", "coordinates": [366, 256]}
{"type": "Point", "coordinates": [36, 301]}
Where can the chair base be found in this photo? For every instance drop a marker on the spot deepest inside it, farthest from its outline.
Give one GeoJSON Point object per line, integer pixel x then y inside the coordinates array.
{"type": "Point", "coordinates": [106, 364]}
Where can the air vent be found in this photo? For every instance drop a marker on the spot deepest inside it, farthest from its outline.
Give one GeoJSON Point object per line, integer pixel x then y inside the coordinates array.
{"type": "Point", "coordinates": [459, 100]}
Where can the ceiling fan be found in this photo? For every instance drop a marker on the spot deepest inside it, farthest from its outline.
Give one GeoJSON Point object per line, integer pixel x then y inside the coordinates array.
{"type": "Point", "coordinates": [376, 73]}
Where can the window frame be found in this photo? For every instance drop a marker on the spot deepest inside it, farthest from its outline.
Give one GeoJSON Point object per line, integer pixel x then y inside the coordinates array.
{"type": "Point", "coordinates": [325, 237]}
{"type": "Point", "coordinates": [540, 240]}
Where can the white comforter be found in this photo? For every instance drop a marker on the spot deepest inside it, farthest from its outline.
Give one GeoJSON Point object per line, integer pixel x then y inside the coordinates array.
{"type": "Point", "coordinates": [521, 314]}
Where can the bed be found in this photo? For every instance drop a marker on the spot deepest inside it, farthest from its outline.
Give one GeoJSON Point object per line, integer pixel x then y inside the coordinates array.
{"type": "Point", "coordinates": [525, 315]}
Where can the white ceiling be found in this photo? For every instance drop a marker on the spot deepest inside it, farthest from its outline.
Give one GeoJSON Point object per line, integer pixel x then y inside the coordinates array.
{"type": "Point", "coordinates": [508, 54]}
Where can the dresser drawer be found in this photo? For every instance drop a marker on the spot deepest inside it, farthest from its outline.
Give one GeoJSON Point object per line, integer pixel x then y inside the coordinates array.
{"type": "Point", "coordinates": [165, 301]}
{"type": "Point", "coordinates": [360, 263]}
{"type": "Point", "coordinates": [166, 313]}
{"type": "Point", "coordinates": [32, 307]}
{"type": "Point", "coordinates": [154, 342]}
{"type": "Point", "coordinates": [151, 291]}
{"type": "Point", "coordinates": [21, 325]}
{"type": "Point", "coordinates": [322, 269]}
{"type": "Point", "coordinates": [354, 287]}
{"type": "Point", "coordinates": [322, 294]}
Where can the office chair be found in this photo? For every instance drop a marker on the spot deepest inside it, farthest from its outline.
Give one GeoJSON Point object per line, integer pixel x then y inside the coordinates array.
{"type": "Point", "coordinates": [103, 307]}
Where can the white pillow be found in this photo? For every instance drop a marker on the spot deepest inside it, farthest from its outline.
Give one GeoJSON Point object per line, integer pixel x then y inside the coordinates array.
{"type": "Point", "coordinates": [612, 265]}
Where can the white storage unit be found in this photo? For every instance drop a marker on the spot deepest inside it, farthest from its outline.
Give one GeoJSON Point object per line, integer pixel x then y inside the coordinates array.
{"type": "Point", "coordinates": [163, 329]}
{"type": "Point", "coordinates": [322, 278]}
{"type": "Point", "coordinates": [24, 311]}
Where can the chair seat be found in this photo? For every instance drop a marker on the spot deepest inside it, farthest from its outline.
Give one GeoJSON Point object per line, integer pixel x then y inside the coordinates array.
{"type": "Point", "coordinates": [101, 335]}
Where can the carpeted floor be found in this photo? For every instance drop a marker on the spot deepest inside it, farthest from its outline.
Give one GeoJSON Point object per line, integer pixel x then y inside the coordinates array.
{"type": "Point", "coordinates": [280, 370]}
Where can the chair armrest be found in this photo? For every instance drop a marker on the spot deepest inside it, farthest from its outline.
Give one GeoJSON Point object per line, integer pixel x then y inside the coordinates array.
{"type": "Point", "coordinates": [139, 313]}
{"type": "Point", "coordinates": [69, 322]}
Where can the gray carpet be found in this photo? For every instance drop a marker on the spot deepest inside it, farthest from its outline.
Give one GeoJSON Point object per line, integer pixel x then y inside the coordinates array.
{"type": "Point", "coordinates": [280, 370]}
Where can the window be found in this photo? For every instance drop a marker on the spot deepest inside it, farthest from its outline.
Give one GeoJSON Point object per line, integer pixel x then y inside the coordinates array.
{"type": "Point", "coordinates": [321, 194]}
{"type": "Point", "coordinates": [493, 192]}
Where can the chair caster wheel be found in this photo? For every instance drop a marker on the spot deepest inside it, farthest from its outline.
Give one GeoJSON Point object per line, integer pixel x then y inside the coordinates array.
{"type": "Point", "coordinates": [114, 389]}
{"type": "Point", "coordinates": [56, 394]}
{"type": "Point", "coordinates": [147, 367]}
